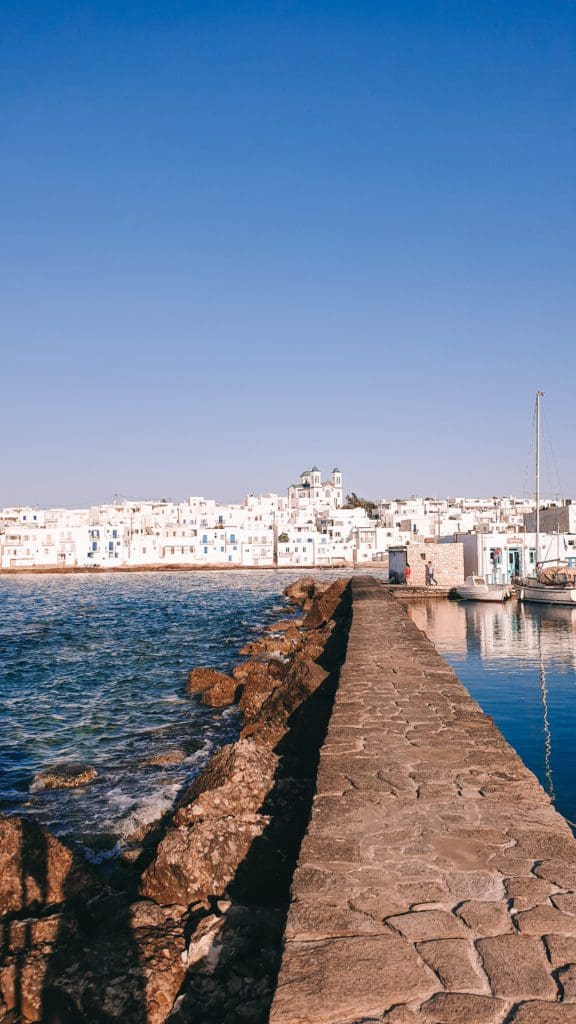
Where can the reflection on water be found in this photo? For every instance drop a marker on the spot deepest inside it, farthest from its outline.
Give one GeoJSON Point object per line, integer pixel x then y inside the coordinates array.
{"type": "Point", "coordinates": [519, 662]}
{"type": "Point", "coordinates": [547, 734]}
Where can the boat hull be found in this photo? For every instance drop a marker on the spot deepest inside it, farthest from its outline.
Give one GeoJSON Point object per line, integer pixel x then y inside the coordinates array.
{"type": "Point", "coordinates": [475, 588]}
{"type": "Point", "coordinates": [476, 595]}
{"type": "Point", "coordinates": [543, 594]}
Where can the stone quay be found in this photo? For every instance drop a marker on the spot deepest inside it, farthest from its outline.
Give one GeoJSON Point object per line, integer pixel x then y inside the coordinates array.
{"type": "Point", "coordinates": [436, 883]}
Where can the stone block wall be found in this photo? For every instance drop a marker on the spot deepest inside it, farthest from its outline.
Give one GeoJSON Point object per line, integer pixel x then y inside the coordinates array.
{"type": "Point", "coordinates": [447, 559]}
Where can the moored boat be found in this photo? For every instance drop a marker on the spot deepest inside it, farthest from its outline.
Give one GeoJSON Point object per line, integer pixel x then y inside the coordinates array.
{"type": "Point", "coordinates": [554, 584]}
{"type": "Point", "coordinates": [476, 588]}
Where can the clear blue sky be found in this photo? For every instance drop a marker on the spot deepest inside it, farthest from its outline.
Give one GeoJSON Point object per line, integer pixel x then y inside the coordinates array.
{"type": "Point", "coordinates": [241, 238]}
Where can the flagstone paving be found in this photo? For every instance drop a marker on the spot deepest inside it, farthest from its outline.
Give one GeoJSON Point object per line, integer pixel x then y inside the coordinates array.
{"type": "Point", "coordinates": [436, 883]}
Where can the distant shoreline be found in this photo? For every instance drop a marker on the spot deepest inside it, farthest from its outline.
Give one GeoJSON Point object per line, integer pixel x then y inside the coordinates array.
{"type": "Point", "coordinates": [402, 591]}
{"type": "Point", "coordinates": [68, 570]}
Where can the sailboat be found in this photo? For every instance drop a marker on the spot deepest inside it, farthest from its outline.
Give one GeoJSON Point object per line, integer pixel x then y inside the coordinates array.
{"type": "Point", "coordinates": [552, 583]}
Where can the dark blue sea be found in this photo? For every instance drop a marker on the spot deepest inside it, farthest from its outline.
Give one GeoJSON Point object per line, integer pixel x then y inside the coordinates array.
{"type": "Point", "coordinates": [519, 662]}
{"type": "Point", "coordinates": [93, 668]}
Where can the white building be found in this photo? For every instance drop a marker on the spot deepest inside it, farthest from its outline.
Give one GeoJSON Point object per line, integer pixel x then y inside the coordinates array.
{"type": "Point", "coordinates": [500, 556]}
{"type": "Point", "coordinates": [309, 527]}
{"type": "Point", "coordinates": [312, 493]}
{"type": "Point", "coordinates": [296, 546]}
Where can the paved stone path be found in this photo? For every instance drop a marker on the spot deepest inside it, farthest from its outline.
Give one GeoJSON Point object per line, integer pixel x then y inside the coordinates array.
{"type": "Point", "coordinates": [436, 883]}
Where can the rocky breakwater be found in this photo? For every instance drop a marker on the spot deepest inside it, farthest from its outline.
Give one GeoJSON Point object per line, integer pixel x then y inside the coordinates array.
{"type": "Point", "coordinates": [191, 928]}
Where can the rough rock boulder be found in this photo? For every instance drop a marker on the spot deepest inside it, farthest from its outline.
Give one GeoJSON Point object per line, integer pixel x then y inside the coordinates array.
{"type": "Point", "coordinates": [325, 605]}
{"type": "Point", "coordinates": [66, 775]}
{"type": "Point", "coordinates": [258, 680]}
{"type": "Point", "coordinates": [285, 625]}
{"type": "Point", "coordinates": [301, 592]}
{"type": "Point", "coordinates": [284, 643]}
{"type": "Point", "coordinates": [214, 827]}
{"type": "Point", "coordinates": [234, 783]}
{"type": "Point", "coordinates": [36, 869]}
{"type": "Point", "coordinates": [301, 680]}
{"type": "Point", "coordinates": [216, 688]}
{"type": "Point", "coordinates": [125, 965]}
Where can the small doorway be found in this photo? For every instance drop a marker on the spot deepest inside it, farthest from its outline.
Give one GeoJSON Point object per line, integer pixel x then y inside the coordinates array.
{"type": "Point", "coordinates": [514, 562]}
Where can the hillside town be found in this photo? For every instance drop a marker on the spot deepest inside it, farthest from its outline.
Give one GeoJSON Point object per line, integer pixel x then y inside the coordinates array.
{"type": "Point", "coordinates": [314, 525]}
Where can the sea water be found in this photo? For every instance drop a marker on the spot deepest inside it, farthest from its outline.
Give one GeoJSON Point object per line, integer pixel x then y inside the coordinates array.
{"type": "Point", "coordinates": [94, 668]}
{"type": "Point", "coordinates": [519, 662]}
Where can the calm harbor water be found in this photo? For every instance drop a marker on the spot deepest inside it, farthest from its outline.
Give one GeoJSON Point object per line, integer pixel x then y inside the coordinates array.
{"type": "Point", "coordinates": [93, 668]}
{"type": "Point", "coordinates": [519, 662]}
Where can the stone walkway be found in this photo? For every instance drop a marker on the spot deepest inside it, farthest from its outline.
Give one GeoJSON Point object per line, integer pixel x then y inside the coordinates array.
{"type": "Point", "coordinates": [436, 883]}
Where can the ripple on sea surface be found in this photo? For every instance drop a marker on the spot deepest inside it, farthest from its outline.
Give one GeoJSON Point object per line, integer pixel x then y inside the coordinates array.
{"type": "Point", "coordinates": [93, 669]}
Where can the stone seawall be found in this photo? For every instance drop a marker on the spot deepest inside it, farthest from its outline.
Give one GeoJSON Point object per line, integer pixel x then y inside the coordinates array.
{"type": "Point", "coordinates": [436, 884]}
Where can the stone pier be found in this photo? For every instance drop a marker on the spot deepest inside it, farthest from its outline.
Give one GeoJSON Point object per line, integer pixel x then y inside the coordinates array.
{"type": "Point", "coordinates": [436, 883]}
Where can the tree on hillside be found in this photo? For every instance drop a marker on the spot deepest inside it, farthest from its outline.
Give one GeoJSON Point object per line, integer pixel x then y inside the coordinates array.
{"type": "Point", "coordinates": [353, 501]}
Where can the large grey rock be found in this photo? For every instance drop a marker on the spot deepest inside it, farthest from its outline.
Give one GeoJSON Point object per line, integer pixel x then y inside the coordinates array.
{"type": "Point", "coordinates": [234, 784]}
{"type": "Point", "coordinates": [214, 827]}
{"type": "Point", "coordinates": [216, 688]}
{"type": "Point", "coordinates": [302, 679]}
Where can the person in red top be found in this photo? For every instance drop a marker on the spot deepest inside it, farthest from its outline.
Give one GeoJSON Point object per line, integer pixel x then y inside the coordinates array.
{"type": "Point", "coordinates": [407, 573]}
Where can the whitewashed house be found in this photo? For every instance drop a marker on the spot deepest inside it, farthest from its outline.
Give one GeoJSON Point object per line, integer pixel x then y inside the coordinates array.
{"type": "Point", "coordinates": [500, 556]}
{"type": "Point", "coordinates": [296, 546]}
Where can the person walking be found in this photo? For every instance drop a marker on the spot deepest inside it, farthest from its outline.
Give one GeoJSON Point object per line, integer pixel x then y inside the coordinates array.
{"type": "Point", "coordinates": [431, 581]}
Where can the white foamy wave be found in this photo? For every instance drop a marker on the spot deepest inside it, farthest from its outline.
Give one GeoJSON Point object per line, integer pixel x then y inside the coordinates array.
{"type": "Point", "coordinates": [202, 753]}
{"type": "Point", "coordinates": [119, 800]}
{"type": "Point", "coordinates": [145, 812]}
{"type": "Point", "coordinates": [102, 855]}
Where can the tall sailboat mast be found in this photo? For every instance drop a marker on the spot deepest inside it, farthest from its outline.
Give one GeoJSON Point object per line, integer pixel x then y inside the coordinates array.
{"type": "Point", "coordinates": [545, 586]}
{"type": "Point", "coordinates": [539, 395]}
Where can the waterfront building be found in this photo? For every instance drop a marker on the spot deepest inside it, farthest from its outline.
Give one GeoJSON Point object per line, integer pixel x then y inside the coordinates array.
{"type": "Point", "coordinates": [440, 518]}
{"type": "Point", "coordinates": [308, 527]}
{"type": "Point", "coordinates": [500, 556]}
{"type": "Point", "coordinates": [447, 560]}
{"type": "Point", "coordinates": [297, 546]}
